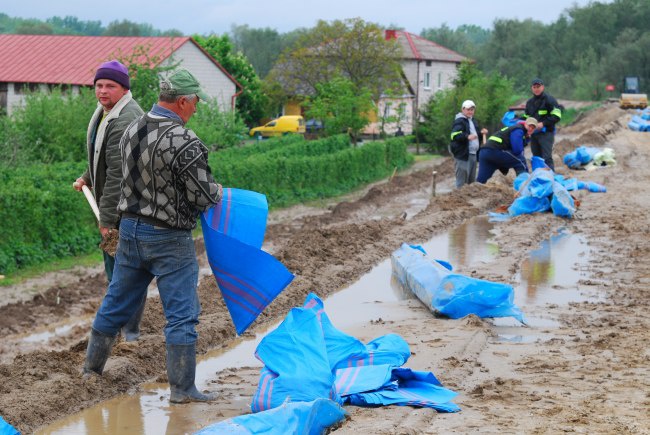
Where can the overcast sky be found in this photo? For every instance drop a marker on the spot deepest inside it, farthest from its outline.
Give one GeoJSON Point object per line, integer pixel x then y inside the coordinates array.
{"type": "Point", "coordinates": [217, 16]}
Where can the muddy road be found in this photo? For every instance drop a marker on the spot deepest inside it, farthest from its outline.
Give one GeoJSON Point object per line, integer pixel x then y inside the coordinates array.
{"type": "Point", "coordinates": [586, 369]}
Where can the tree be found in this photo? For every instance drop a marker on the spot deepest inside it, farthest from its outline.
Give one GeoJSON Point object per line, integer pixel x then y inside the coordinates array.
{"type": "Point", "coordinates": [260, 46]}
{"type": "Point", "coordinates": [145, 72]}
{"type": "Point", "coordinates": [218, 129]}
{"type": "Point", "coordinates": [73, 26]}
{"type": "Point", "coordinates": [466, 39]}
{"type": "Point", "coordinates": [493, 94]}
{"type": "Point", "coordinates": [342, 106]}
{"type": "Point", "coordinates": [252, 101]}
{"type": "Point", "coordinates": [33, 27]}
{"type": "Point", "coordinates": [351, 48]}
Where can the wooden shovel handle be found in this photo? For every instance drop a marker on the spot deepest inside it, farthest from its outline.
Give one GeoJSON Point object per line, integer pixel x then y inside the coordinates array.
{"type": "Point", "coordinates": [91, 200]}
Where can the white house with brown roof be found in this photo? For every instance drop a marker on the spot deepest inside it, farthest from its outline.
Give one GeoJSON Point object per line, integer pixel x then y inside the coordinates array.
{"type": "Point", "coordinates": [38, 62]}
{"type": "Point", "coordinates": [427, 67]}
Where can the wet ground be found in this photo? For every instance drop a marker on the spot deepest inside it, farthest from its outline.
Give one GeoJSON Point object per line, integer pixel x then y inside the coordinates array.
{"type": "Point", "coordinates": [580, 366]}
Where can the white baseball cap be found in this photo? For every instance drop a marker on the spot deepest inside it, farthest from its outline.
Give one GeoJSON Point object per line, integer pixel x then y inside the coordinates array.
{"type": "Point", "coordinates": [467, 104]}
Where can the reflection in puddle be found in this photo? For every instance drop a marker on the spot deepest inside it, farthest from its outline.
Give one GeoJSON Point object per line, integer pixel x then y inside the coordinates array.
{"type": "Point", "coordinates": [549, 275]}
{"type": "Point", "coordinates": [466, 245]}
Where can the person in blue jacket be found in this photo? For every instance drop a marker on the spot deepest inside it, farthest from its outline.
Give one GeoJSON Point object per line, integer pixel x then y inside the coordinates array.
{"type": "Point", "coordinates": [505, 149]}
{"type": "Point", "coordinates": [465, 141]}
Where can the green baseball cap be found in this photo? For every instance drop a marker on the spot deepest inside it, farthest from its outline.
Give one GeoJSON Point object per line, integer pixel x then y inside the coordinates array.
{"type": "Point", "coordinates": [182, 82]}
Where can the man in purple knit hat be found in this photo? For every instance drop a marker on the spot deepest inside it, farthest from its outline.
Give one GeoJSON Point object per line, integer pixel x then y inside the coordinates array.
{"type": "Point", "coordinates": [116, 109]}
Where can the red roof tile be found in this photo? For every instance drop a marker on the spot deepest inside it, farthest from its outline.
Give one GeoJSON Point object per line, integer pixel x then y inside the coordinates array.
{"type": "Point", "coordinates": [419, 48]}
{"type": "Point", "coordinates": [72, 60]}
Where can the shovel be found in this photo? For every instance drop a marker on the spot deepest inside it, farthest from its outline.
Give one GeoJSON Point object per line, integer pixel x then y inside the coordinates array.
{"type": "Point", "coordinates": [91, 200]}
{"type": "Point", "coordinates": [109, 243]}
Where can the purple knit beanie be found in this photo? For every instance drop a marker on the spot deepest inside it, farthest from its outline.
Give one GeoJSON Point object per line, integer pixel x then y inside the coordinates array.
{"type": "Point", "coordinates": [115, 71]}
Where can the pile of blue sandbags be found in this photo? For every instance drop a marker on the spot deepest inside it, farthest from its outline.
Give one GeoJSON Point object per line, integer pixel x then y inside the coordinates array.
{"type": "Point", "coordinates": [585, 157]}
{"type": "Point", "coordinates": [543, 190]}
{"type": "Point", "coordinates": [640, 122]}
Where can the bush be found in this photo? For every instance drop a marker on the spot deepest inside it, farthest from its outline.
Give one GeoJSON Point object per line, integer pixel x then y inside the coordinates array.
{"type": "Point", "coordinates": [50, 127]}
{"type": "Point", "coordinates": [46, 219]}
{"type": "Point", "coordinates": [43, 217]}
{"type": "Point", "coordinates": [492, 94]}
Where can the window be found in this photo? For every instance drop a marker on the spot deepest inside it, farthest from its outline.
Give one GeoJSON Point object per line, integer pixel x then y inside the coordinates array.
{"type": "Point", "coordinates": [427, 80]}
{"type": "Point", "coordinates": [439, 80]}
{"type": "Point", "coordinates": [387, 110]}
{"type": "Point", "coordinates": [428, 63]}
{"type": "Point", "coordinates": [23, 88]}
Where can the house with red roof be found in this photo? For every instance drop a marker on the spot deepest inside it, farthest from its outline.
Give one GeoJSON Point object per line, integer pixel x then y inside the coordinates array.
{"type": "Point", "coordinates": [427, 67]}
{"type": "Point", "coordinates": [39, 62]}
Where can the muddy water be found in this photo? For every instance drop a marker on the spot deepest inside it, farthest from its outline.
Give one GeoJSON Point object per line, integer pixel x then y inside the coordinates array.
{"type": "Point", "coordinates": [550, 274]}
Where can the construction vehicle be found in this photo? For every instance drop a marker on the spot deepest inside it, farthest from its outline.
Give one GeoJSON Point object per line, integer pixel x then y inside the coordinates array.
{"type": "Point", "coordinates": [632, 98]}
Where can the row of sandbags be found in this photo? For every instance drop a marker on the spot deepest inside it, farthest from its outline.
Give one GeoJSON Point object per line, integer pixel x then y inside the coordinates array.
{"type": "Point", "coordinates": [641, 121]}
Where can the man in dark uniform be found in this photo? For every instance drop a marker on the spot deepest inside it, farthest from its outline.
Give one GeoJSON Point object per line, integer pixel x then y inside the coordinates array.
{"type": "Point", "coordinates": [548, 112]}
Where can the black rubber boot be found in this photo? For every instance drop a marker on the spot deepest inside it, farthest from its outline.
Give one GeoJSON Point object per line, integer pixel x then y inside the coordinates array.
{"type": "Point", "coordinates": [181, 369]}
{"type": "Point", "coordinates": [98, 351]}
{"type": "Point", "coordinates": [131, 331]}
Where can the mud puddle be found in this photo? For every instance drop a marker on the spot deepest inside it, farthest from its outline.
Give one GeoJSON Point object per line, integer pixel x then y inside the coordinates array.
{"type": "Point", "coordinates": [550, 275]}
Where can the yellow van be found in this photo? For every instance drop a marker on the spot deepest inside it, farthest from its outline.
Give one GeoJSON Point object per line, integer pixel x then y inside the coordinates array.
{"type": "Point", "coordinates": [280, 126]}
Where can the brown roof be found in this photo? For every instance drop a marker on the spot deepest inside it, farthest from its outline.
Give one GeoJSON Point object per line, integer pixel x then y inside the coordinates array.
{"type": "Point", "coordinates": [418, 48]}
{"type": "Point", "coordinates": [60, 59]}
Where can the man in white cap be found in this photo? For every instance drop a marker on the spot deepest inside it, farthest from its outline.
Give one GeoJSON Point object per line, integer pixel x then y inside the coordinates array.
{"type": "Point", "coordinates": [465, 141]}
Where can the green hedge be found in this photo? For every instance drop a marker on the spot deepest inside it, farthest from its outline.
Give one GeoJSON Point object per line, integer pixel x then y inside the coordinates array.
{"type": "Point", "coordinates": [45, 219]}
{"type": "Point", "coordinates": [294, 170]}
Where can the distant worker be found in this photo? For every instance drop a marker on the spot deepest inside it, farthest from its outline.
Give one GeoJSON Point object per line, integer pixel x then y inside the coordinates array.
{"type": "Point", "coordinates": [166, 184]}
{"type": "Point", "coordinates": [116, 109]}
{"type": "Point", "coordinates": [505, 149]}
{"type": "Point", "coordinates": [548, 112]}
{"type": "Point", "coordinates": [465, 141]}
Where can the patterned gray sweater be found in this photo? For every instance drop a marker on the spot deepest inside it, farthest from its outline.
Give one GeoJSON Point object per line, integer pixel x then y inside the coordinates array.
{"type": "Point", "coordinates": [165, 172]}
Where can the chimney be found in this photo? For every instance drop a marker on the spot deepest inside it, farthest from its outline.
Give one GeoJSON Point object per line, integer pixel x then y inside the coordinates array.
{"type": "Point", "coordinates": [391, 34]}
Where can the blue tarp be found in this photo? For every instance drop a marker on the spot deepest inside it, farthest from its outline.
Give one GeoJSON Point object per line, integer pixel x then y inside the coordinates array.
{"type": "Point", "coordinates": [450, 294]}
{"type": "Point", "coordinates": [306, 358]}
{"type": "Point", "coordinates": [543, 190]}
{"type": "Point", "coordinates": [290, 418]}
{"type": "Point", "coordinates": [249, 278]}
{"type": "Point", "coordinates": [6, 428]}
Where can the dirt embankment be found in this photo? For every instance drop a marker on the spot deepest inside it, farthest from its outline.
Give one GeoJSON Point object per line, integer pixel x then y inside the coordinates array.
{"type": "Point", "coordinates": [591, 375]}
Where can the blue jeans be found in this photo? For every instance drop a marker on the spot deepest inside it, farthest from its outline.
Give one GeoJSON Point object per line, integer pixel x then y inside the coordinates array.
{"type": "Point", "coordinates": [145, 252]}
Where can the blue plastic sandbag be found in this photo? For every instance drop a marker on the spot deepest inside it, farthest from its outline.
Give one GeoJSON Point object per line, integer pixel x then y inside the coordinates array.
{"type": "Point", "coordinates": [7, 429]}
{"type": "Point", "coordinates": [595, 187]}
{"type": "Point", "coordinates": [537, 162]}
{"type": "Point", "coordinates": [509, 119]}
{"type": "Point", "coordinates": [540, 183]}
{"type": "Point", "coordinates": [562, 203]}
{"type": "Point", "coordinates": [528, 205]}
{"type": "Point", "coordinates": [450, 294]}
{"type": "Point", "coordinates": [520, 180]}
{"type": "Point", "coordinates": [311, 418]}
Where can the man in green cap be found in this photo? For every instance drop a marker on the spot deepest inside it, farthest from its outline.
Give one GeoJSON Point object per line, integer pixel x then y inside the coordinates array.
{"type": "Point", "coordinates": [166, 183]}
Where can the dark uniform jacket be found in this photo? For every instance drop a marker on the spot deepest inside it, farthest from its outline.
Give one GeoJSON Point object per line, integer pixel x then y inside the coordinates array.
{"type": "Point", "coordinates": [544, 108]}
{"type": "Point", "coordinates": [505, 140]}
{"type": "Point", "coordinates": [459, 146]}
